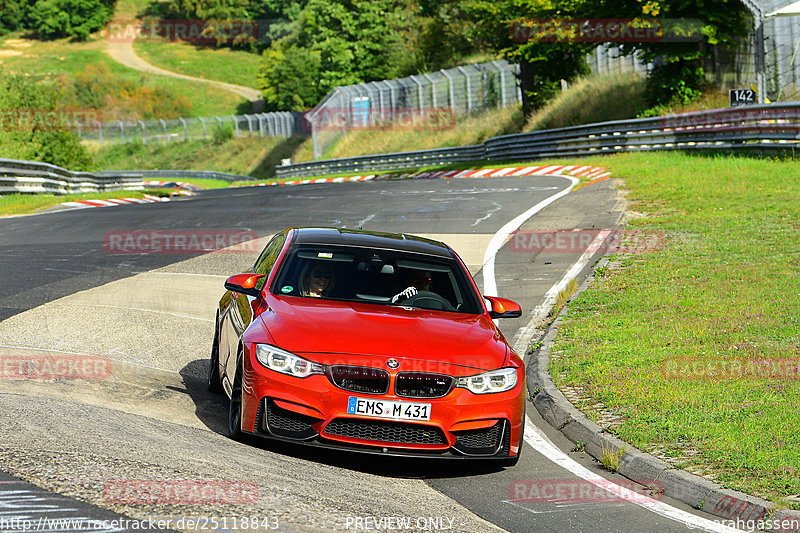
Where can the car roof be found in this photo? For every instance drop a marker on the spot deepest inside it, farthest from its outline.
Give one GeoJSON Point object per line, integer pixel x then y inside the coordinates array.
{"type": "Point", "coordinates": [372, 239]}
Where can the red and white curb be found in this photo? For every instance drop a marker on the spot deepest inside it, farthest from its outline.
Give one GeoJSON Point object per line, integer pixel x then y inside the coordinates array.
{"type": "Point", "coordinates": [148, 199]}
{"type": "Point", "coordinates": [595, 173]}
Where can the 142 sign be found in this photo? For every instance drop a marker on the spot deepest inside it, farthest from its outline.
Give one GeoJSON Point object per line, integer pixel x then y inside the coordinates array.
{"type": "Point", "coordinates": [742, 97]}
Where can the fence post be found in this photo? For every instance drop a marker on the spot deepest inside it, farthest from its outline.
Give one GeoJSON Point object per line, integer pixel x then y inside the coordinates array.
{"type": "Point", "coordinates": [122, 130]}
{"type": "Point", "coordinates": [78, 126]}
{"type": "Point", "coordinates": [235, 125]}
{"type": "Point", "coordinates": [185, 131]}
{"type": "Point", "coordinates": [260, 124]}
{"type": "Point", "coordinates": [100, 130]}
{"type": "Point", "coordinates": [502, 73]}
{"type": "Point", "coordinates": [452, 91]}
{"type": "Point", "coordinates": [433, 88]}
{"type": "Point", "coordinates": [203, 122]}
{"type": "Point", "coordinates": [144, 132]}
{"type": "Point", "coordinates": [469, 89]}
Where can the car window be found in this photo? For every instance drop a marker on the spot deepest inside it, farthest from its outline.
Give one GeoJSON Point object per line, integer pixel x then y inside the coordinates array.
{"type": "Point", "coordinates": [267, 259]}
{"type": "Point", "coordinates": [380, 277]}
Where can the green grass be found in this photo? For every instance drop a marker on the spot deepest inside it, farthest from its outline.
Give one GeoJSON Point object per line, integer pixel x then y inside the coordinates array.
{"type": "Point", "coordinates": [662, 337]}
{"type": "Point", "coordinates": [593, 99]}
{"type": "Point", "coordinates": [47, 60]}
{"type": "Point", "coordinates": [207, 62]}
{"type": "Point", "coordinates": [248, 156]}
{"type": "Point", "coordinates": [20, 204]}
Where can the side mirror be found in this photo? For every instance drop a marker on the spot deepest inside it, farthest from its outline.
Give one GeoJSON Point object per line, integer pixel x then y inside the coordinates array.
{"type": "Point", "coordinates": [244, 283]}
{"type": "Point", "coordinates": [503, 308]}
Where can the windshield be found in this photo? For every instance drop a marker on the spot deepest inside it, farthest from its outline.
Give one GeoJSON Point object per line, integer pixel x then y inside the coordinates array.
{"type": "Point", "coordinates": [381, 277]}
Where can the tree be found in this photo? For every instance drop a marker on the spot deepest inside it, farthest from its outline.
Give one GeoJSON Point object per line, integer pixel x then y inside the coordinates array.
{"type": "Point", "coordinates": [679, 67]}
{"type": "Point", "coordinates": [332, 43]}
{"type": "Point", "coordinates": [69, 18]}
{"type": "Point", "coordinates": [542, 64]}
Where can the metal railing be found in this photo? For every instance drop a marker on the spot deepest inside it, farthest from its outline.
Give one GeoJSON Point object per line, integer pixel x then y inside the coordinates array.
{"type": "Point", "coordinates": [765, 129]}
{"type": "Point", "coordinates": [279, 124]}
{"type": "Point", "coordinates": [32, 177]}
{"type": "Point", "coordinates": [423, 97]}
{"type": "Point", "coordinates": [171, 174]}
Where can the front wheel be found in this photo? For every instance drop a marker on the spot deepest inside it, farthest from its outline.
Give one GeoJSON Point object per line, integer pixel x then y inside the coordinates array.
{"type": "Point", "coordinates": [235, 407]}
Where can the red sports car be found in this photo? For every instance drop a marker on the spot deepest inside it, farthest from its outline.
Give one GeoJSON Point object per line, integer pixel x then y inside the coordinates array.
{"type": "Point", "coordinates": [374, 342]}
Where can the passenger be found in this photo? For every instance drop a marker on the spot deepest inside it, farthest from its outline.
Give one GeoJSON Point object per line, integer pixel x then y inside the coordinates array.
{"type": "Point", "coordinates": [316, 280]}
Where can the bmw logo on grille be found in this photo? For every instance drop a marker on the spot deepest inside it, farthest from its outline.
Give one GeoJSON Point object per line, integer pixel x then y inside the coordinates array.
{"type": "Point", "coordinates": [392, 363]}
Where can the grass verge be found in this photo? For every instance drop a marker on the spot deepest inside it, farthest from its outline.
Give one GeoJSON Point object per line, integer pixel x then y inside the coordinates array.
{"type": "Point", "coordinates": [21, 204]}
{"type": "Point", "coordinates": [696, 343]}
{"type": "Point", "coordinates": [207, 62]}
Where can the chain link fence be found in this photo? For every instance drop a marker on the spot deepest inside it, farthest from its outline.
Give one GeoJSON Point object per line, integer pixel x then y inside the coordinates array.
{"type": "Point", "coordinates": [281, 124]}
{"type": "Point", "coordinates": [427, 101]}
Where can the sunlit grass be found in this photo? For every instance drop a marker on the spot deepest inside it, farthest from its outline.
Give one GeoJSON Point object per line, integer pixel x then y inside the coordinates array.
{"type": "Point", "coordinates": [207, 62]}
{"type": "Point", "coordinates": [698, 344]}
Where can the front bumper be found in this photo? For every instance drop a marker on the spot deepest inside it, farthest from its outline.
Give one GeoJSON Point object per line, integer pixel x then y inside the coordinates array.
{"type": "Point", "coordinates": [313, 411]}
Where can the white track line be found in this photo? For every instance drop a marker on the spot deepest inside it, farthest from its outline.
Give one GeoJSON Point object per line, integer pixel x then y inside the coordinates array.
{"type": "Point", "coordinates": [533, 435]}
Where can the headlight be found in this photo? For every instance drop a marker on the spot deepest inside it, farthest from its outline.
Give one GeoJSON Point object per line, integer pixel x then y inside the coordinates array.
{"type": "Point", "coordinates": [488, 382]}
{"type": "Point", "coordinates": [285, 362]}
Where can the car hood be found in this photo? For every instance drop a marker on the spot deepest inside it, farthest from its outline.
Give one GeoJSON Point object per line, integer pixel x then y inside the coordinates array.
{"type": "Point", "coordinates": [363, 332]}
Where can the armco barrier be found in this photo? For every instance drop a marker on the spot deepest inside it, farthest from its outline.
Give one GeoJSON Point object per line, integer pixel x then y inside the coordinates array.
{"type": "Point", "coordinates": [33, 177]}
{"type": "Point", "coordinates": [180, 174]}
{"type": "Point", "coordinates": [763, 129]}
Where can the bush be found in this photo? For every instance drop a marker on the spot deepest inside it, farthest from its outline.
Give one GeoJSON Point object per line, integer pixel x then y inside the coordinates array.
{"type": "Point", "coordinates": [31, 128]}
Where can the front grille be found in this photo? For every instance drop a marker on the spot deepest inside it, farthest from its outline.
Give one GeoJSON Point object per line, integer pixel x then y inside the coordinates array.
{"type": "Point", "coordinates": [284, 423]}
{"type": "Point", "coordinates": [359, 379]}
{"type": "Point", "coordinates": [383, 431]}
{"type": "Point", "coordinates": [422, 385]}
{"type": "Point", "coordinates": [485, 441]}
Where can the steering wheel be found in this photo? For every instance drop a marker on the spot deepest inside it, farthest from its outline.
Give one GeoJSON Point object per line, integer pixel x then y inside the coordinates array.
{"type": "Point", "coordinates": [428, 300]}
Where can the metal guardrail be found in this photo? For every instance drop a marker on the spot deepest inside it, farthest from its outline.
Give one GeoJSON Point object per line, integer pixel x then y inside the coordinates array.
{"type": "Point", "coordinates": [169, 174]}
{"type": "Point", "coordinates": [763, 129]}
{"type": "Point", "coordinates": [33, 177]}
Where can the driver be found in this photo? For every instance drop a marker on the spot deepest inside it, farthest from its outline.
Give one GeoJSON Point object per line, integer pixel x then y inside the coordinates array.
{"type": "Point", "coordinates": [417, 280]}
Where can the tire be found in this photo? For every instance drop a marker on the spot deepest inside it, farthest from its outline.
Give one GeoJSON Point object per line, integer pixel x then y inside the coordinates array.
{"type": "Point", "coordinates": [235, 406]}
{"type": "Point", "coordinates": [214, 384]}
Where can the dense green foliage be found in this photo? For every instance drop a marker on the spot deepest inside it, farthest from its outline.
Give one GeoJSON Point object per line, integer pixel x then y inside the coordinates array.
{"type": "Point", "coordinates": [96, 88]}
{"type": "Point", "coordinates": [52, 19]}
{"type": "Point", "coordinates": [31, 127]}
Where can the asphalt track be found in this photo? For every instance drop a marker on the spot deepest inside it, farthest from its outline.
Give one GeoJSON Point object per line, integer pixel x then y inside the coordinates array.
{"type": "Point", "coordinates": [151, 316]}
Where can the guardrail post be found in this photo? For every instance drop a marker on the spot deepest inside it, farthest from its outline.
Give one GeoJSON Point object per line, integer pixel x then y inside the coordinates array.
{"type": "Point", "coordinates": [185, 131]}
{"type": "Point", "coordinates": [452, 91]}
{"type": "Point", "coordinates": [144, 132]}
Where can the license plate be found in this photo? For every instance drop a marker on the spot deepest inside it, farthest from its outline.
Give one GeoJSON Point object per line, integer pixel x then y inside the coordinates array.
{"type": "Point", "coordinates": [388, 409]}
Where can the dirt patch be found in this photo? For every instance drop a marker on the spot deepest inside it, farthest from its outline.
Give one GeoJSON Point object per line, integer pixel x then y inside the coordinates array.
{"type": "Point", "coordinates": [9, 53]}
